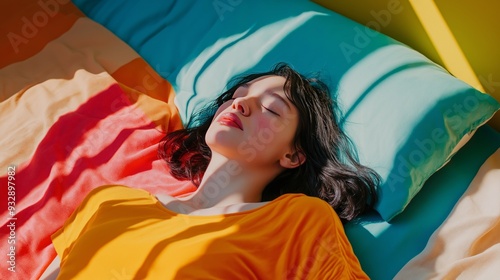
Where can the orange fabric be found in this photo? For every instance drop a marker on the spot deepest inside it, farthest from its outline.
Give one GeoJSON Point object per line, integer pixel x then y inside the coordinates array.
{"type": "Point", "coordinates": [123, 232]}
{"type": "Point", "coordinates": [28, 25]}
{"type": "Point", "coordinates": [86, 46]}
{"type": "Point", "coordinates": [150, 92]}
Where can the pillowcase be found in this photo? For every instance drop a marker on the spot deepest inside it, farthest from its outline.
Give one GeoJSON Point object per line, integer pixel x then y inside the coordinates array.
{"type": "Point", "coordinates": [405, 114]}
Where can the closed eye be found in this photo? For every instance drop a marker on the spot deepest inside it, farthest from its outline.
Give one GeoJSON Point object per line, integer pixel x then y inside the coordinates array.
{"type": "Point", "coordinates": [271, 111]}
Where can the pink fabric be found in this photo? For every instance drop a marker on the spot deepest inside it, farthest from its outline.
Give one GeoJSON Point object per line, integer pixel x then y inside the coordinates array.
{"type": "Point", "coordinates": [95, 145]}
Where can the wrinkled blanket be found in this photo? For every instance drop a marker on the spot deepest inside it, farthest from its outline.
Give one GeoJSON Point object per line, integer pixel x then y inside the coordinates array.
{"type": "Point", "coordinates": [467, 245]}
{"type": "Point", "coordinates": [79, 109]}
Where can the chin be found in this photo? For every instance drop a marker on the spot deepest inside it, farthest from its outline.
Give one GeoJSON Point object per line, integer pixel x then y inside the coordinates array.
{"type": "Point", "coordinates": [222, 142]}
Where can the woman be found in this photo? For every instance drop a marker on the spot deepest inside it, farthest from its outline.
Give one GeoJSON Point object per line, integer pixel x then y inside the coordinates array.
{"type": "Point", "coordinates": [276, 178]}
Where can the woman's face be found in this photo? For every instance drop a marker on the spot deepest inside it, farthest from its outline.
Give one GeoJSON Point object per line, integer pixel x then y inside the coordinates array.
{"type": "Point", "coordinates": [257, 126]}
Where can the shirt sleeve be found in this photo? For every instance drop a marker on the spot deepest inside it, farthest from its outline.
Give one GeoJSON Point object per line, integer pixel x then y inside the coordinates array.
{"type": "Point", "coordinates": [332, 254]}
{"type": "Point", "coordinates": [65, 238]}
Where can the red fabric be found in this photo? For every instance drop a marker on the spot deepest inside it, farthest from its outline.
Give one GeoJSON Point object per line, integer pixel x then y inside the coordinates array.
{"type": "Point", "coordinates": [102, 142]}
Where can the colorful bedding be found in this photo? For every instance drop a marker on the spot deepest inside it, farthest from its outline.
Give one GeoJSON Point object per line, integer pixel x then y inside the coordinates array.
{"type": "Point", "coordinates": [383, 248]}
{"type": "Point", "coordinates": [466, 245]}
{"type": "Point", "coordinates": [80, 108]}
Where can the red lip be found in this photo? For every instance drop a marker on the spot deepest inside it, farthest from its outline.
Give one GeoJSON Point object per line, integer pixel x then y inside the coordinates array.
{"type": "Point", "coordinates": [230, 119]}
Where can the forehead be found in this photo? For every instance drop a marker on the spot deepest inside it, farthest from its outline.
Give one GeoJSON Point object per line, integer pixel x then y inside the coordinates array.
{"type": "Point", "coordinates": [271, 82]}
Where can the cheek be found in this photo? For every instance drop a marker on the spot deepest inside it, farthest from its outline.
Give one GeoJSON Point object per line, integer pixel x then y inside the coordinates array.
{"type": "Point", "coordinates": [279, 125]}
{"type": "Point", "coordinates": [266, 125]}
{"type": "Point", "coordinates": [263, 123]}
{"type": "Point", "coordinates": [270, 130]}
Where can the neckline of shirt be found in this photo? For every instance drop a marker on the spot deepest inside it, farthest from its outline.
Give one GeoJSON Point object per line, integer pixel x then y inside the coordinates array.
{"type": "Point", "coordinates": [159, 204]}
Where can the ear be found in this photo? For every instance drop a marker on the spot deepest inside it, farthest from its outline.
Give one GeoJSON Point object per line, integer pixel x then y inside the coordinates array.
{"type": "Point", "coordinates": [292, 160]}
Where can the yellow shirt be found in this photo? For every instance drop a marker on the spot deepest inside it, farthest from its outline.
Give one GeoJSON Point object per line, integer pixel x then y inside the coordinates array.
{"type": "Point", "coordinates": [124, 233]}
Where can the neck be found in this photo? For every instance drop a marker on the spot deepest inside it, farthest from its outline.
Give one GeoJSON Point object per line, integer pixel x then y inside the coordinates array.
{"type": "Point", "coordinates": [228, 182]}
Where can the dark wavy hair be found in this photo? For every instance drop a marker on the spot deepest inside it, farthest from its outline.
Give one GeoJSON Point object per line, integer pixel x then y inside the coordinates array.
{"type": "Point", "coordinates": [331, 170]}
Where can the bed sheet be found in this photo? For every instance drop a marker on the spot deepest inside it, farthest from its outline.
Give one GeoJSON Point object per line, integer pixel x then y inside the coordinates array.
{"type": "Point", "coordinates": [162, 32]}
{"type": "Point", "coordinates": [384, 248]}
{"type": "Point", "coordinates": [467, 244]}
{"type": "Point", "coordinates": [79, 109]}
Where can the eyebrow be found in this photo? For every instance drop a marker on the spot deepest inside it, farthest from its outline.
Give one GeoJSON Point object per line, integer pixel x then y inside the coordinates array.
{"type": "Point", "coordinates": [280, 98]}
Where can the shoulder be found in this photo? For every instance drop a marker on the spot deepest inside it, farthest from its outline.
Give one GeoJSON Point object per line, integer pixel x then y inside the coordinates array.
{"type": "Point", "coordinates": [117, 190]}
{"type": "Point", "coordinates": [106, 196]}
{"type": "Point", "coordinates": [114, 192]}
{"type": "Point", "coordinates": [313, 208]}
{"type": "Point", "coordinates": [313, 224]}
{"type": "Point", "coordinates": [299, 200]}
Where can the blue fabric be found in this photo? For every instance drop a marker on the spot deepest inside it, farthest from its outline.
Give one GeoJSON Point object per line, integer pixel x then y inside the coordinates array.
{"type": "Point", "coordinates": [163, 32]}
{"type": "Point", "coordinates": [383, 248]}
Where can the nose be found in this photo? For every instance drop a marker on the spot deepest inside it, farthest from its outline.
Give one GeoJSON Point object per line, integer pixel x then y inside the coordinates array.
{"type": "Point", "coordinates": [241, 105]}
